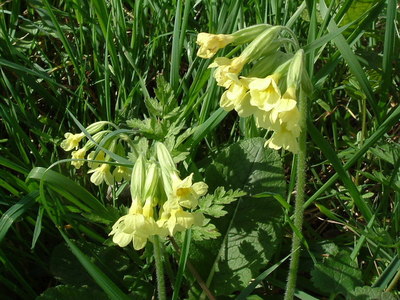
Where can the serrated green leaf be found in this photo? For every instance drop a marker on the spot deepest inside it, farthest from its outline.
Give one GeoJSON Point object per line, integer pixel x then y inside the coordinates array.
{"type": "Point", "coordinates": [337, 274]}
{"type": "Point", "coordinates": [251, 230]}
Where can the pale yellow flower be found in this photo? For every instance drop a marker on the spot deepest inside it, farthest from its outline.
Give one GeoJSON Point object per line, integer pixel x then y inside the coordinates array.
{"type": "Point", "coordinates": [100, 174]}
{"type": "Point", "coordinates": [237, 97]}
{"type": "Point", "coordinates": [264, 92]}
{"type": "Point", "coordinates": [186, 192]}
{"type": "Point", "coordinates": [211, 43]}
{"type": "Point", "coordinates": [78, 154]}
{"type": "Point", "coordinates": [71, 141]}
{"type": "Point", "coordinates": [121, 173]}
{"type": "Point", "coordinates": [180, 220]}
{"type": "Point", "coordinates": [226, 66]}
{"type": "Point", "coordinates": [286, 135]}
{"type": "Point", "coordinates": [99, 157]}
{"type": "Point", "coordinates": [291, 119]}
{"type": "Point", "coordinates": [284, 139]}
{"type": "Point", "coordinates": [174, 219]}
{"type": "Point", "coordinates": [263, 119]}
{"type": "Point", "coordinates": [135, 228]}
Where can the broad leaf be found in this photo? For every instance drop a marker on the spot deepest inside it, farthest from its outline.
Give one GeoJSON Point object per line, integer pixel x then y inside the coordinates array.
{"type": "Point", "coordinates": [337, 274]}
{"type": "Point", "coordinates": [369, 293]}
{"type": "Point", "coordinates": [250, 232]}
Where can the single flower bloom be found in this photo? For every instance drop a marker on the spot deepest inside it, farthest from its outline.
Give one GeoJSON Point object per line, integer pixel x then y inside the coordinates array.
{"type": "Point", "coordinates": [78, 154]}
{"type": "Point", "coordinates": [263, 119]}
{"type": "Point", "coordinates": [291, 120]}
{"type": "Point", "coordinates": [134, 228]}
{"type": "Point", "coordinates": [71, 141]}
{"type": "Point", "coordinates": [186, 192]}
{"type": "Point", "coordinates": [284, 105]}
{"type": "Point", "coordinates": [226, 66]}
{"type": "Point", "coordinates": [100, 174]}
{"type": "Point", "coordinates": [237, 97]}
{"type": "Point", "coordinates": [121, 173]}
{"type": "Point", "coordinates": [99, 157]}
{"type": "Point", "coordinates": [178, 220]}
{"type": "Point", "coordinates": [264, 92]}
{"type": "Point", "coordinates": [211, 43]}
{"type": "Point", "coordinates": [285, 139]}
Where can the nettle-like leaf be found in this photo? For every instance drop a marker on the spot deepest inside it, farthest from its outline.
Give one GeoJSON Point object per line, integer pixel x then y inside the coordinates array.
{"type": "Point", "coordinates": [150, 128]}
{"type": "Point", "coordinates": [214, 204]}
{"type": "Point", "coordinates": [337, 274]}
{"type": "Point", "coordinates": [209, 231]}
{"type": "Point", "coordinates": [251, 230]}
{"type": "Point", "coordinates": [369, 293]}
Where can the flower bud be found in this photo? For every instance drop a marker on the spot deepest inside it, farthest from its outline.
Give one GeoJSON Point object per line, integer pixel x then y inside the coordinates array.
{"type": "Point", "coordinates": [267, 65]}
{"type": "Point", "coordinates": [248, 34]}
{"type": "Point", "coordinates": [151, 183]}
{"type": "Point", "coordinates": [96, 127]}
{"type": "Point", "coordinates": [296, 69]}
{"type": "Point", "coordinates": [138, 179]}
{"type": "Point", "coordinates": [263, 45]}
{"type": "Point", "coordinates": [167, 166]}
{"type": "Point", "coordinates": [96, 139]}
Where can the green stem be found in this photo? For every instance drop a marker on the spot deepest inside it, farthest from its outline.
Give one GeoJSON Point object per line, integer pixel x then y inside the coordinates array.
{"type": "Point", "coordinates": [159, 269]}
{"type": "Point", "coordinates": [298, 209]}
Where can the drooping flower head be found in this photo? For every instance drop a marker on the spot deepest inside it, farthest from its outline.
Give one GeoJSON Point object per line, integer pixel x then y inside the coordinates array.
{"type": "Point", "coordinates": [227, 66]}
{"type": "Point", "coordinates": [237, 97]}
{"type": "Point", "coordinates": [211, 43]}
{"type": "Point", "coordinates": [101, 174]}
{"type": "Point", "coordinates": [78, 154]}
{"type": "Point", "coordinates": [71, 141]}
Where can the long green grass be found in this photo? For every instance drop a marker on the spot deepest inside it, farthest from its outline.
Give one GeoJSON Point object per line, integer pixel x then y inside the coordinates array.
{"type": "Point", "coordinates": [86, 61]}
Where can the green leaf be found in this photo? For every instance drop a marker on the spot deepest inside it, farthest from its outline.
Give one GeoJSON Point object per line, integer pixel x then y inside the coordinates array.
{"type": "Point", "coordinates": [337, 274]}
{"type": "Point", "coordinates": [15, 211]}
{"type": "Point", "coordinates": [369, 293]}
{"type": "Point", "coordinates": [251, 230]}
{"type": "Point", "coordinates": [357, 8]}
{"type": "Point", "coordinates": [67, 292]}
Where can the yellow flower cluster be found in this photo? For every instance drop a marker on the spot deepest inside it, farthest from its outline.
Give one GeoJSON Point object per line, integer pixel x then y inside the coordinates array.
{"type": "Point", "coordinates": [162, 203]}
{"type": "Point", "coordinates": [98, 161]}
{"type": "Point", "coordinates": [269, 92]}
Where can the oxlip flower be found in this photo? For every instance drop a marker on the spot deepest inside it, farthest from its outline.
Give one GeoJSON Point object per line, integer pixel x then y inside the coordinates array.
{"type": "Point", "coordinates": [100, 156]}
{"type": "Point", "coordinates": [121, 173]}
{"type": "Point", "coordinates": [284, 138]}
{"type": "Point", "coordinates": [264, 92]}
{"type": "Point", "coordinates": [133, 227]}
{"type": "Point", "coordinates": [237, 97]}
{"type": "Point", "coordinates": [211, 43]}
{"type": "Point", "coordinates": [100, 174]}
{"type": "Point", "coordinates": [71, 141]}
{"type": "Point", "coordinates": [187, 193]}
{"type": "Point", "coordinates": [78, 154]}
{"type": "Point", "coordinates": [226, 66]}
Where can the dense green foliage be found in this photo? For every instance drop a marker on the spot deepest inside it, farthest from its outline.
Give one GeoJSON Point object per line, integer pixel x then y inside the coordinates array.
{"type": "Point", "coordinates": [66, 63]}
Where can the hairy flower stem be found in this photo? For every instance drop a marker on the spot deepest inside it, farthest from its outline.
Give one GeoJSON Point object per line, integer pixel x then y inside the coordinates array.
{"type": "Point", "coordinates": [298, 208]}
{"type": "Point", "coordinates": [159, 269]}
